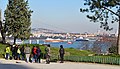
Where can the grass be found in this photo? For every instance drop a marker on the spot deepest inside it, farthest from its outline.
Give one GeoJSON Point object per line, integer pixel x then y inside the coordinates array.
{"type": "Point", "coordinates": [77, 52]}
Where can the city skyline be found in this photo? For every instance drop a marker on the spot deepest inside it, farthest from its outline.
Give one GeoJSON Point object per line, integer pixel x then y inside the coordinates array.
{"type": "Point", "coordinates": [62, 15]}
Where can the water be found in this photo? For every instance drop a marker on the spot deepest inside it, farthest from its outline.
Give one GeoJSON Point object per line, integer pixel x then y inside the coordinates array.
{"type": "Point", "coordinates": [82, 45]}
{"type": "Point", "coordinates": [74, 44]}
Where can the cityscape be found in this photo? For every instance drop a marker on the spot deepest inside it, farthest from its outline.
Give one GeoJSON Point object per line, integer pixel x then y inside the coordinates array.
{"type": "Point", "coordinates": [59, 34]}
{"type": "Point", "coordinates": [37, 32]}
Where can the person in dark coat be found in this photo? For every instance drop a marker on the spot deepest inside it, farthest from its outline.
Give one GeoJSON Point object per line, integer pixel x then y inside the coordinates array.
{"type": "Point", "coordinates": [62, 52]}
{"type": "Point", "coordinates": [15, 51]}
{"type": "Point", "coordinates": [38, 54]}
{"type": "Point", "coordinates": [22, 52]}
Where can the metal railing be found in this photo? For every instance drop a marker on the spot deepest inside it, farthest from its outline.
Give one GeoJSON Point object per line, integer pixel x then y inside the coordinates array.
{"type": "Point", "coordinates": [94, 59]}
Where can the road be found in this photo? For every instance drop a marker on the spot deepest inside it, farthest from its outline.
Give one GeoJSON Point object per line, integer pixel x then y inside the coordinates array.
{"type": "Point", "coordinates": [11, 64]}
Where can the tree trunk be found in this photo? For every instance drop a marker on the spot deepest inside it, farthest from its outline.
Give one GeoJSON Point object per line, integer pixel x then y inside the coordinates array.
{"type": "Point", "coordinates": [2, 30]}
{"type": "Point", "coordinates": [118, 39]}
{"type": "Point", "coordinates": [15, 40]}
{"type": "Point", "coordinates": [3, 36]}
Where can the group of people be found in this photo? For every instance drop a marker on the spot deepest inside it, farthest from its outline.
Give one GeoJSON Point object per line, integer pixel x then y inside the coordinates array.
{"type": "Point", "coordinates": [31, 55]}
{"type": "Point", "coordinates": [23, 53]}
{"type": "Point", "coordinates": [16, 51]}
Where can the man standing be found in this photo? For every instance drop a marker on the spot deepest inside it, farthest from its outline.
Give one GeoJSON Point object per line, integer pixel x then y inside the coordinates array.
{"type": "Point", "coordinates": [62, 52]}
{"type": "Point", "coordinates": [38, 54]}
{"type": "Point", "coordinates": [22, 52]}
{"type": "Point", "coordinates": [27, 53]}
{"type": "Point", "coordinates": [47, 50]}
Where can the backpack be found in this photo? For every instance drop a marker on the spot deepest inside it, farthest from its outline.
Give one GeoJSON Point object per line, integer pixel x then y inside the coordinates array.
{"type": "Point", "coordinates": [46, 49]}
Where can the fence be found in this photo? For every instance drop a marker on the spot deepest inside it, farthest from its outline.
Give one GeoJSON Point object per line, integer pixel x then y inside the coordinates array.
{"type": "Point", "coordinates": [94, 59]}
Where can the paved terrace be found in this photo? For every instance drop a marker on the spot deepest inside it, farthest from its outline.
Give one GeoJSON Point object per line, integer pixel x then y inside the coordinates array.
{"type": "Point", "coordinates": [11, 64]}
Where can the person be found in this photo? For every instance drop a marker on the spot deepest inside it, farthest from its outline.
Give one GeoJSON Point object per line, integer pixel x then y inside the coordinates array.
{"type": "Point", "coordinates": [27, 53]}
{"type": "Point", "coordinates": [34, 52]}
{"type": "Point", "coordinates": [47, 50]}
{"type": "Point", "coordinates": [7, 50]}
{"type": "Point", "coordinates": [13, 51]}
{"type": "Point", "coordinates": [62, 52]}
{"type": "Point", "coordinates": [22, 52]}
{"type": "Point", "coordinates": [18, 53]}
{"type": "Point", "coordinates": [38, 54]}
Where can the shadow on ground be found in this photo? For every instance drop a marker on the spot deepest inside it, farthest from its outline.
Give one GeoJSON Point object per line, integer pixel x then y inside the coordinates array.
{"type": "Point", "coordinates": [12, 66]}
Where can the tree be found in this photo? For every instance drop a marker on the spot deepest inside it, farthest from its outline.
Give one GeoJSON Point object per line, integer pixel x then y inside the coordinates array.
{"type": "Point", "coordinates": [113, 49]}
{"type": "Point", "coordinates": [105, 12]}
{"type": "Point", "coordinates": [18, 19]}
{"type": "Point", "coordinates": [2, 29]}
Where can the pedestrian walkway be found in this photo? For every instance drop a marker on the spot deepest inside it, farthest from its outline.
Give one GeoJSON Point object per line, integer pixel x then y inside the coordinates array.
{"type": "Point", "coordinates": [11, 64]}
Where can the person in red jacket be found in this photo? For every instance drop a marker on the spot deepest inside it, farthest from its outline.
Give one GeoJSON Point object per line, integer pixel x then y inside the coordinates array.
{"type": "Point", "coordinates": [34, 52]}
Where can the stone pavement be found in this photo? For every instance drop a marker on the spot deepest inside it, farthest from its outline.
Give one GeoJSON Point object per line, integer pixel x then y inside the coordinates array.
{"type": "Point", "coordinates": [11, 64]}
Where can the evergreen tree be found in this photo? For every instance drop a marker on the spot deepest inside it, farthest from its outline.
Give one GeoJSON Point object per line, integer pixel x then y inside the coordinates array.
{"type": "Point", "coordinates": [105, 12]}
{"type": "Point", "coordinates": [18, 19]}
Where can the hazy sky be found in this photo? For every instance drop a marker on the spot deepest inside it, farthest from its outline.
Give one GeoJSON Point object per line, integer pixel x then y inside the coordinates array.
{"type": "Point", "coordinates": [62, 15]}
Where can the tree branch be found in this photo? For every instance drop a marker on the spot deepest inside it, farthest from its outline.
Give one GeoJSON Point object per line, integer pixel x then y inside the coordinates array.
{"type": "Point", "coordinates": [111, 11]}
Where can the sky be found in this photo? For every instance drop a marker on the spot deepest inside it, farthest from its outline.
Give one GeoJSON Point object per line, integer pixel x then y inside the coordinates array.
{"type": "Point", "coordinates": [60, 15]}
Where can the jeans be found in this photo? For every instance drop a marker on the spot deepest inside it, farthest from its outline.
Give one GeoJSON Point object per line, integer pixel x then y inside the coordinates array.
{"type": "Point", "coordinates": [61, 58]}
{"type": "Point", "coordinates": [7, 56]}
{"type": "Point", "coordinates": [47, 59]}
{"type": "Point", "coordinates": [18, 56]}
{"type": "Point", "coordinates": [38, 58]}
{"type": "Point", "coordinates": [35, 58]}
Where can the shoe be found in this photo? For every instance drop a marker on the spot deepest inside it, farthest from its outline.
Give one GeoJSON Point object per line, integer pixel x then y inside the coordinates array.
{"type": "Point", "coordinates": [61, 62]}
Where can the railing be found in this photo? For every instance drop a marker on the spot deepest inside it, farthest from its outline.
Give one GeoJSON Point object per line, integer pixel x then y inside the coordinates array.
{"type": "Point", "coordinates": [94, 59]}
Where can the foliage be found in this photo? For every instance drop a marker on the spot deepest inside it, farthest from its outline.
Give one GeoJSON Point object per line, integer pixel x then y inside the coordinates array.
{"type": "Point", "coordinates": [18, 19]}
{"type": "Point", "coordinates": [105, 12]}
{"type": "Point", "coordinates": [102, 10]}
{"type": "Point", "coordinates": [2, 48]}
{"type": "Point", "coordinates": [113, 49]}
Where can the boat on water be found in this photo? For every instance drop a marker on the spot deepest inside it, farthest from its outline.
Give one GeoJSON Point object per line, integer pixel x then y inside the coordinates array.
{"type": "Point", "coordinates": [53, 40]}
{"type": "Point", "coordinates": [70, 42]}
{"type": "Point", "coordinates": [82, 39]}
